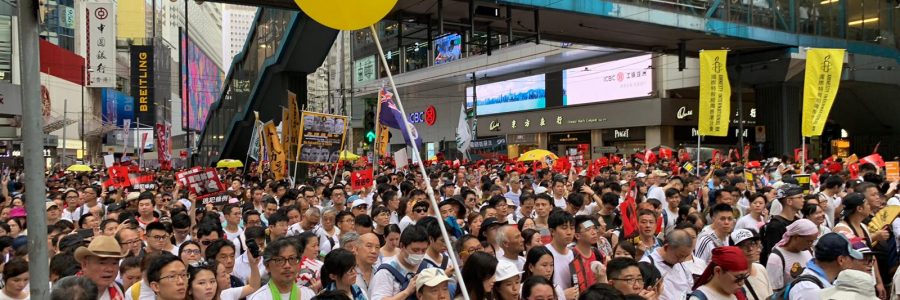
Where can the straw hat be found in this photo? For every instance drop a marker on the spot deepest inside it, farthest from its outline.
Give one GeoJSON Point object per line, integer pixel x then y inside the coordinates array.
{"type": "Point", "coordinates": [100, 246]}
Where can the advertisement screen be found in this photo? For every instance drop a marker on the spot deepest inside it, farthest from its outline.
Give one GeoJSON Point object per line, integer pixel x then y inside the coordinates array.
{"type": "Point", "coordinates": [447, 48]}
{"type": "Point", "coordinates": [205, 79]}
{"type": "Point", "coordinates": [117, 107]}
{"type": "Point", "coordinates": [621, 79]}
{"type": "Point", "coordinates": [513, 95]}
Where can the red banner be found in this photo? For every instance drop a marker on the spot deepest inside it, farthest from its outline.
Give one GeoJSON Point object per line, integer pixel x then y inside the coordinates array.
{"type": "Point", "coordinates": [359, 180]}
{"type": "Point", "coordinates": [162, 147]}
{"type": "Point", "coordinates": [205, 183]}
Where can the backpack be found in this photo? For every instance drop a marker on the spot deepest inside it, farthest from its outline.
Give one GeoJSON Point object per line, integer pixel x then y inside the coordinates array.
{"type": "Point", "coordinates": [427, 263]}
{"type": "Point", "coordinates": [785, 294]}
{"type": "Point", "coordinates": [775, 251]}
{"type": "Point", "coordinates": [698, 294]}
{"type": "Point", "coordinates": [398, 276]}
{"type": "Point", "coordinates": [764, 238]}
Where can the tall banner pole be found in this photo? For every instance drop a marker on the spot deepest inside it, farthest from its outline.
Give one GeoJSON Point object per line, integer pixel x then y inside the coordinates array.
{"type": "Point", "coordinates": [698, 155]}
{"type": "Point", "coordinates": [803, 155]}
{"type": "Point", "coordinates": [429, 189]}
{"type": "Point", "coordinates": [378, 132]}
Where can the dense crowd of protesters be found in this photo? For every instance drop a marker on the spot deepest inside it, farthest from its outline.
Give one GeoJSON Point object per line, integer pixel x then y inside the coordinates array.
{"type": "Point", "coordinates": [625, 230]}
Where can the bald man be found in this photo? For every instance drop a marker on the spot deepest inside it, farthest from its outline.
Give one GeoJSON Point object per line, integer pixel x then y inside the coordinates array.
{"type": "Point", "coordinates": [367, 251]}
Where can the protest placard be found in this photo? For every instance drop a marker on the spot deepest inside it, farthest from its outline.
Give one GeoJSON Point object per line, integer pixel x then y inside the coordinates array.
{"type": "Point", "coordinates": [361, 179]}
{"type": "Point", "coordinates": [205, 183]}
{"type": "Point", "coordinates": [321, 137]}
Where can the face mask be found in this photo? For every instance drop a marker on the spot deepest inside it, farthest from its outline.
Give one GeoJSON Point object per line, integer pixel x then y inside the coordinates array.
{"type": "Point", "coordinates": [415, 259]}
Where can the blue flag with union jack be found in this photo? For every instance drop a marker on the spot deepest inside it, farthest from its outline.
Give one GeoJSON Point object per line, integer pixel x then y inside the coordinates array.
{"type": "Point", "coordinates": [391, 116]}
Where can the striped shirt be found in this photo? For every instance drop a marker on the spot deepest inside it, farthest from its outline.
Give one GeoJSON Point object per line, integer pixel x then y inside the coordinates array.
{"type": "Point", "coordinates": [706, 242]}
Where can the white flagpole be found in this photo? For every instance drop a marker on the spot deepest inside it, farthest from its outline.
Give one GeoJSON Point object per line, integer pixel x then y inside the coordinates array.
{"type": "Point", "coordinates": [429, 190]}
{"type": "Point", "coordinates": [698, 155]}
{"type": "Point", "coordinates": [803, 155]}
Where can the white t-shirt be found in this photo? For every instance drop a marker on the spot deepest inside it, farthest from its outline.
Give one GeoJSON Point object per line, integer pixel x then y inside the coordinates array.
{"type": "Point", "coordinates": [760, 283]}
{"type": "Point", "coordinates": [561, 202]}
{"type": "Point", "coordinates": [404, 222]}
{"type": "Point", "coordinates": [833, 201]}
{"type": "Point", "coordinates": [263, 293]}
{"type": "Point", "coordinates": [233, 293]}
{"type": "Point", "coordinates": [747, 222]}
{"type": "Point", "coordinates": [712, 294]}
{"type": "Point", "coordinates": [242, 268]}
{"type": "Point", "coordinates": [793, 263]}
{"type": "Point", "coordinates": [807, 290]}
{"type": "Point", "coordinates": [681, 279]}
{"type": "Point", "coordinates": [383, 283]}
{"type": "Point", "coordinates": [562, 275]}
{"type": "Point", "coordinates": [232, 235]}
{"type": "Point", "coordinates": [519, 262]}
{"type": "Point", "coordinates": [657, 261]}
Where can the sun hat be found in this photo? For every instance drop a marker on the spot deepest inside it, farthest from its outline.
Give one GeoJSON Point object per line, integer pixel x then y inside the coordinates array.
{"type": "Point", "coordinates": [101, 246]}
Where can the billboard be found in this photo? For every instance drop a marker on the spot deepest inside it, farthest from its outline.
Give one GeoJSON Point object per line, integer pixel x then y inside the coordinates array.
{"type": "Point", "coordinates": [117, 107]}
{"type": "Point", "coordinates": [620, 79]}
{"type": "Point", "coordinates": [142, 75]}
{"type": "Point", "coordinates": [205, 79]}
{"type": "Point", "coordinates": [447, 48]}
{"type": "Point", "coordinates": [513, 95]}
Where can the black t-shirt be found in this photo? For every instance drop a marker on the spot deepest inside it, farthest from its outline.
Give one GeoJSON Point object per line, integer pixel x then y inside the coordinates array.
{"type": "Point", "coordinates": [771, 233]}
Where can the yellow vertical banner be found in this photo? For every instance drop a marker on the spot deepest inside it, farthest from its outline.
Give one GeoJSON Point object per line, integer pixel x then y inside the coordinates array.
{"type": "Point", "coordinates": [384, 139]}
{"type": "Point", "coordinates": [715, 94]}
{"type": "Point", "coordinates": [294, 132]}
{"type": "Point", "coordinates": [277, 159]}
{"type": "Point", "coordinates": [823, 75]}
{"type": "Point", "coordinates": [285, 129]}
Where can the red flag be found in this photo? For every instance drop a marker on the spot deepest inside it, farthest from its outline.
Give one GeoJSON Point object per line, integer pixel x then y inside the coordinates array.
{"type": "Point", "coordinates": [562, 165]}
{"type": "Point", "coordinates": [874, 159]}
{"type": "Point", "coordinates": [854, 170]}
{"type": "Point", "coordinates": [628, 208]}
{"type": "Point", "coordinates": [665, 153]}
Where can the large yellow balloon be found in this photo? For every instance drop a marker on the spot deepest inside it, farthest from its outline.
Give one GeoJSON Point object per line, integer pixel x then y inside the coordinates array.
{"type": "Point", "coordinates": [346, 14]}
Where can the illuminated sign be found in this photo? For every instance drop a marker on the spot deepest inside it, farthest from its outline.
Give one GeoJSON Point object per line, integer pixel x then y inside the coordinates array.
{"type": "Point", "coordinates": [620, 79]}
{"type": "Point", "coordinates": [429, 116]}
{"type": "Point", "coordinates": [526, 93]}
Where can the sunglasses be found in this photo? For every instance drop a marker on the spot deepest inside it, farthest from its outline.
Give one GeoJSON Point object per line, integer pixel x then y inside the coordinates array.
{"type": "Point", "coordinates": [740, 278]}
{"type": "Point", "coordinates": [420, 210]}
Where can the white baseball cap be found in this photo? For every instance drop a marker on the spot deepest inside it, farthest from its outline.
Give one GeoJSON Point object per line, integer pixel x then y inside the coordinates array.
{"type": "Point", "coordinates": [506, 270]}
{"type": "Point", "coordinates": [431, 277]}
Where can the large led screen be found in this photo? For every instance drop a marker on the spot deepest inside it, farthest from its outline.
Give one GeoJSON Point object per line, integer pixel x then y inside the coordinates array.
{"type": "Point", "coordinates": [513, 95]}
{"type": "Point", "coordinates": [447, 48]}
{"type": "Point", "coordinates": [205, 79]}
{"type": "Point", "coordinates": [117, 107]}
{"type": "Point", "coordinates": [620, 79]}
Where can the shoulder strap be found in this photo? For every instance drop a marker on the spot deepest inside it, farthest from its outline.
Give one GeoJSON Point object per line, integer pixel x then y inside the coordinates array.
{"type": "Point", "coordinates": [750, 289]}
{"type": "Point", "coordinates": [809, 278]}
{"type": "Point", "coordinates": [781, 256]}
{"type": "Point", "coordinates": [697, 294]}
{"type": "Point", "coordinates": [401, 278]}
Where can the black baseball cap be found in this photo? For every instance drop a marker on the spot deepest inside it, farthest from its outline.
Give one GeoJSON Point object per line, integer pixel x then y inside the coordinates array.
{"type": "Point", "coordinates": [834, 245]}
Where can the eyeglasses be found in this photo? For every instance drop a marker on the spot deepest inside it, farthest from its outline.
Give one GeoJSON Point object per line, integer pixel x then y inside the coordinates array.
{"type": "Point", "coordinates": [868, 260]}
{"type": "Point", "coordinates": [192, 251]}
{"type": "Point", "coordinates": [362, 206]}
{"type": "Point", "coordinates": [179, 276]}
{"type": "Point", "coordinates": [420, 210]}
{"type": "Point", "coordinates": [206, 243]}
{"type": "Point", "coordinates": [167, 199]}
{"type": "Point", "coordinates": [631, 281]}
{"type": "Point", "coordinates": [293, 260]}
{"type": "Point", "coordinates": [158, 238]}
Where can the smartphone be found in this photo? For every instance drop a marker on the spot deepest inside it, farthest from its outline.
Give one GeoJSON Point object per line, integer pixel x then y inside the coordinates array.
{"type": "Point", "coordinates": [252, 247]}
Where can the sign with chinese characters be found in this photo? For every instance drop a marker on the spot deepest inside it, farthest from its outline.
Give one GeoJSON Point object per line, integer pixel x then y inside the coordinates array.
{"type": "Point", "coordinates": [364, 69]}
{"type": "Point", "coordinates": [100, 19]}
{"type": "Point", "coordinates": [575, 118]}
{"type": "Point", "coordinates": [67, 17]}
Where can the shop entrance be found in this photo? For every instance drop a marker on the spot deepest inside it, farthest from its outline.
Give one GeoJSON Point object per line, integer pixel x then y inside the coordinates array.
{"type": "Point", "coordinates": [576, 146]}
